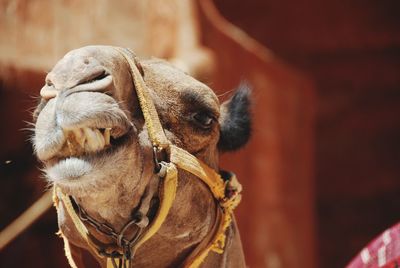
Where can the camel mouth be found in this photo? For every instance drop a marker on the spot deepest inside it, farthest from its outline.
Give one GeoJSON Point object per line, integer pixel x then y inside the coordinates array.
{"type": "Point", "coordinates": [85, 140]}
{"type": "Point", "coordinates": [81, 152]}
{"type": "Point", "coordinates": [88, 143]}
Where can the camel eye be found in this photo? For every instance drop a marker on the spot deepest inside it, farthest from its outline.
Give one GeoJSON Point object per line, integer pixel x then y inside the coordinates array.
{"type": "Point", "coordinates": [204, 119]}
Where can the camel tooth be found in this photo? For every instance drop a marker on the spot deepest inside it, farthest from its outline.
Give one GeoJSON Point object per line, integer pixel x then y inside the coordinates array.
{"type": "Point", "coordinates": [80, 137]}
{"type": "Point", "coordinates": [107, 136]}
{"type": "Point", "coordinates": [91, 139]}
{"type": "Point", "coordinates": [100, 139]}
{"type": "Point", "coordinates": [70, 147]}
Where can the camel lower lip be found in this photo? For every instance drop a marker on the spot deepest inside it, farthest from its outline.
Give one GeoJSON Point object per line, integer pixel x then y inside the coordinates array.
{"type": "Point", "coordinates": [71, 168]}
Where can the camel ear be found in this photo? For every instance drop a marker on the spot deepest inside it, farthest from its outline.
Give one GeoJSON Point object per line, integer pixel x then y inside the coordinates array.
{"type": "Point", "coordinates": [235, 120]}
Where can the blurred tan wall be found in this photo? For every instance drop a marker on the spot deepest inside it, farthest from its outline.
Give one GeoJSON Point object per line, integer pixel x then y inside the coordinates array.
{"type": "Point", "coordinates": [35, 34]}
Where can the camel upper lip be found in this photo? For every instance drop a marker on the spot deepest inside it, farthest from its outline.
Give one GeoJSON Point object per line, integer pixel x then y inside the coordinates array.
{"type": "Point", "coordinates": [83, 141]}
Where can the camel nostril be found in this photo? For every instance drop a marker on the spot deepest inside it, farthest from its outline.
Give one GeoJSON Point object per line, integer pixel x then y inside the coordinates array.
{"type": "Point", "coordinates": [95, 80]}
{"type": "Point", "coordinates": [95, 75]}
{"type": "Point", "coordinates": [86, 61]}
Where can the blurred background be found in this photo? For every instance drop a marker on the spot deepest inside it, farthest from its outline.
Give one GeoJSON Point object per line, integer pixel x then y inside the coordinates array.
{"type": "Point", "coordinates": [321, 173]}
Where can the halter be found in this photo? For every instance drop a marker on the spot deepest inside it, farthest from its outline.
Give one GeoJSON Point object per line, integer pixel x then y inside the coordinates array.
{"type": "Point", "coordinates": [226, 192]}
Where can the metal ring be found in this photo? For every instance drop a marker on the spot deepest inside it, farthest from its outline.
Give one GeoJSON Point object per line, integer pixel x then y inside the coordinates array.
{"type": "Point", "coordinates": [163, 169]}
{"type": "Point", "coordinates": [121, 234]}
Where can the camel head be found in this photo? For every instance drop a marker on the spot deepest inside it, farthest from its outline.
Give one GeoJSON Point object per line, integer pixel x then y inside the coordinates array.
{"type": "Point", "coordinates": [91, 136]}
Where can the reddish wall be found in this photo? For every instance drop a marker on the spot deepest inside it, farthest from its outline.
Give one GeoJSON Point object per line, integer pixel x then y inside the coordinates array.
{"type": "Point", "coordinates": [276, 216]}
{"type": "Point", "coordinates": [352, 50]}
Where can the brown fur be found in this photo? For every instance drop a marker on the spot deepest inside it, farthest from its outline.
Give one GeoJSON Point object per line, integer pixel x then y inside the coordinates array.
{"type": "Point", "coordinates": [109, 184]}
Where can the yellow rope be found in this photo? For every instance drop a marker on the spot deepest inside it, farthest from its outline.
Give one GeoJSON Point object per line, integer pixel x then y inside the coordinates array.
{"type": "Point", "coordinates": [80, 227]}
{"type": "Point", "coordinates": [68, 253]}
{"type": "Point", "coordinates": [154, 128]}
